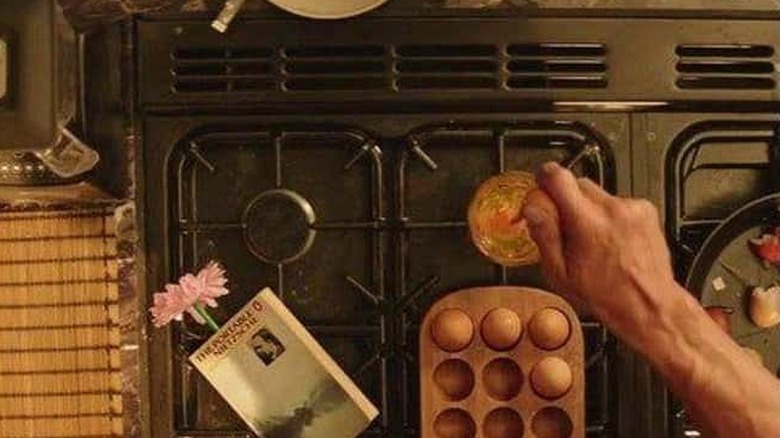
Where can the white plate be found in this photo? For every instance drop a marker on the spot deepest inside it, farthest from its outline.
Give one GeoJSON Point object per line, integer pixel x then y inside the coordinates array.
{"type": "Point", "coordinates": [328, 9]}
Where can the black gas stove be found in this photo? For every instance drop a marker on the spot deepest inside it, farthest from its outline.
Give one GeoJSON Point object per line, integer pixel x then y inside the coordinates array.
{"type": "Point", "coordinates": [359, 229]}
{"type": "Point", "coordinates": [334, 162]}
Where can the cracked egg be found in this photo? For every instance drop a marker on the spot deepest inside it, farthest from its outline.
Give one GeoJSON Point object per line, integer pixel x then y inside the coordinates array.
{"type": "Point", "coordinates": [494, 218]}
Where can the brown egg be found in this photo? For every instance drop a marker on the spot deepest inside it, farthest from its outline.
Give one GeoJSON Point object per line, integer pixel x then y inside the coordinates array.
{"type": "Point", "coordinates": [502, 378]}
{"type": "Point", "coordinates": [454, 378]}
{"type": "Point", "coordinates": [452, 330]}
{"type": "Point", "coordinates": [551, 377]}
{"type": "Point", "coordinates": [454, 423]}
{"type": "Point", "coordinates": [551, 422]}
{"type": "Point", "coordinates": [549, 329]}
{"type": "Point", "coordinates": [501, 329]}
{"type": "Point", "coordinates": [503, 423]}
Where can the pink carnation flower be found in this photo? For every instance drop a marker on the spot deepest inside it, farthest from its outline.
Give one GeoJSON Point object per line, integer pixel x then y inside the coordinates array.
{"type": "Point", "coordinates": [172, 304]}
{"type": "Point", "coordinates": [209, 283]}
{"type": "Point", "coordinates": [191, 290]}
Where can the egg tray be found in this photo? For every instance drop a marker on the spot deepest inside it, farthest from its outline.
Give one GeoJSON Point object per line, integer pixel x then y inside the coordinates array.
{"type": "Point", "coordinates": [475, 413]}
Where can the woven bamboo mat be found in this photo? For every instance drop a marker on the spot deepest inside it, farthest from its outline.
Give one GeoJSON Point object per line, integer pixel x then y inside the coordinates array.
{"type": "Point", "coordinates": [59, 335]}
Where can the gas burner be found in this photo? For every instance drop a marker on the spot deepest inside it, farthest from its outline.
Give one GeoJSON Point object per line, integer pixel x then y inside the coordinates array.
{"type": "Point", "coordinates": [279, 226]}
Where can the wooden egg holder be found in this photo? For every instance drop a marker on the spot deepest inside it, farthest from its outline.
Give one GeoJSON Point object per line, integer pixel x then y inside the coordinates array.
{"type": "Point", "coordinates": [476, 303]}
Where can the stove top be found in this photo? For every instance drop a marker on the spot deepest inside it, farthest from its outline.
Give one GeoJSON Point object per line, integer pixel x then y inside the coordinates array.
{"type": "Point", "coordinates": [337, 170]}
{"type": "Point", "coordinates": [733, 155]}
{"type": "Point", "coordinates": [359, 231]}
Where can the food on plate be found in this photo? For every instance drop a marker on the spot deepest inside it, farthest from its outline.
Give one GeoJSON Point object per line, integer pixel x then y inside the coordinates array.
{"type": "Point", "coordinates": [501, 329]}
{"type": "Point", "coordinates": [718, 284]}
{"type": "Point", "coordinates": [767, 246]}
{"type": "Point", "coordinates": [721, 316]}
{"type": "Point", "coordinates": [494, 218]}
{"type": "Point", "coordinates": [452, 330]}
{"type": "Point", "coordinates": [765, 306]}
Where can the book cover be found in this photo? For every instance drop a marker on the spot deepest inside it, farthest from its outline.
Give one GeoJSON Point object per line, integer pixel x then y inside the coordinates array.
{"type": "Point", "coordinates": [276, 376]}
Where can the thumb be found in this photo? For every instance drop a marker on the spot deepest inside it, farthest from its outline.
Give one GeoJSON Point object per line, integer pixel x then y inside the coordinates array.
{"type": "Point", "coordinates": [543, 221]}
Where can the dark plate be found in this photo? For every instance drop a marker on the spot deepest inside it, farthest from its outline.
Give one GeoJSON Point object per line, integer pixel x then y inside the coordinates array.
{"type": "Point", "coordinates": [726, 254]}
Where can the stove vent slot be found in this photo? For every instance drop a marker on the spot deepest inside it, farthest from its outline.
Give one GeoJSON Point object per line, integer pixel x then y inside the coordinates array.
{"type": "Point", "coordinates": [333, 68]}
{"type": "Point", "coordinates": [388, 68]}
{"type": "Point", "coordinates": [729, 67]}
{"type": "Point", "coordinates": [223, 70]}
{"type": "Point", "coordinates": [557, 65]}
{"type": "Point", "coordinates": [263, 69]}
{"type": "Point", "coordinates": [447, 67]}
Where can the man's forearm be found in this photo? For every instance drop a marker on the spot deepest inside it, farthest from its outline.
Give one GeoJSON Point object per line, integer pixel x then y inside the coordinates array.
{"type": "Point", "coordinates": [611, 253]}
{"type": "Point", "coordinates": [718, 382]}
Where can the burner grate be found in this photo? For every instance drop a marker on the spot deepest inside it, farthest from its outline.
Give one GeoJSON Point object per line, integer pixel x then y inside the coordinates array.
{"type": "Point", "coordinates": [437, 256]}
{"type": "Point", "coordinates": [373, 233]}
{"type": "Point", "coordinates": [714, 168]}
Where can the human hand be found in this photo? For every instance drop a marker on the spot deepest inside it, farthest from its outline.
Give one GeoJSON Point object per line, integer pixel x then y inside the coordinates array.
{"type": "Point", "coordinates": [606, 251]}
{"type": "Point", "coordinates": [611, 253]}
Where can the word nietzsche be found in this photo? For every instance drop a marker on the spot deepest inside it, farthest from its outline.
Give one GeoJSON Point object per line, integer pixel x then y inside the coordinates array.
{"type": "Point", "coordinates": [232, 334]}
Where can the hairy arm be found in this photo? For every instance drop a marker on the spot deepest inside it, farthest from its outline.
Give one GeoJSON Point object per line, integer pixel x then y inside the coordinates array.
{"type": "Point", "coordinates": [610, 253]}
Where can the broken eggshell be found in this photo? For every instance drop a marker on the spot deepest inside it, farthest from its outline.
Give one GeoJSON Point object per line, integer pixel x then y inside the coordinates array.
{"type": "Point", "coordinates": [718, 284]}
{"type": "Point", "coordinates": [765, 306]}
{"type": "Point", "coordinates": [495, 222]}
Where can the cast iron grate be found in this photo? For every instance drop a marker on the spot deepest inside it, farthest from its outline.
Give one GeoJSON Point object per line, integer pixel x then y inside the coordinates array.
{"type": "Point", "coordinates": [391, 211]}
{"type": "Point", "coordinates": [730, 67]}
{"type": "Point", "coordinates": [714, 168]}
{"type": "Point", "coordinates": [388, 68]}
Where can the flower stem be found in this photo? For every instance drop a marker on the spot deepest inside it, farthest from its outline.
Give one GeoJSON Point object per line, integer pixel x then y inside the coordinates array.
{"type": "Point", "coordinates": [206, 317]}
